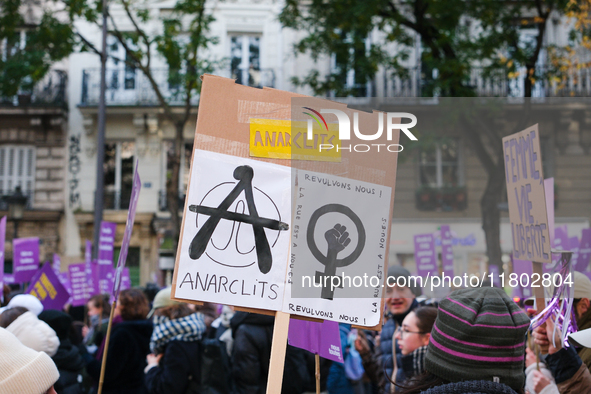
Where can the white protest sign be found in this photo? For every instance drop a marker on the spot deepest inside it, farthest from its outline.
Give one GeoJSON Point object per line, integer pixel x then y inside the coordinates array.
{"type": "Point", "coordinates": [526, 197]}
{"type": "Point", "coordinates": [338, 249]}
{"type": "Point", "coordinates": [235, 238]}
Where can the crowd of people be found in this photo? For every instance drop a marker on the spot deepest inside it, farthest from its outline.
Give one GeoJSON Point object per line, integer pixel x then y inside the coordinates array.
{"type": "Point", "coordinates": [475, 340]}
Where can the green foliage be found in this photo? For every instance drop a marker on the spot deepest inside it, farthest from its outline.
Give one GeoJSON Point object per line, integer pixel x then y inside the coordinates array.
{"type": "Point", "coordinates": [46, 40]}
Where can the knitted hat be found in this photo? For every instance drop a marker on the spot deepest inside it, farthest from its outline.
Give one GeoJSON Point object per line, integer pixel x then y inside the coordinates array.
{"type": "Point", "coordinates": [27, 301]}
{"type": "Point", "coordinates": [23, 370]}
{"type": "Point", "coordinates": [162, 300]}
{"type": "Point", "coordinates": [59, 321]}
{"type": "Point", "coordinates": [395, 271]}
{"type": "Point", "coordinates": [34, 333]}
{"type": "Point", "coordinates": [479, 334]}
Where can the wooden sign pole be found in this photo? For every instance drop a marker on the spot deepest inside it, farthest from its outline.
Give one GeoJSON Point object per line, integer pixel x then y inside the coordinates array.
{"type": "Point", "coordinates": [278, 349]}
{"type": "Point", "coordinates": [317, 361]}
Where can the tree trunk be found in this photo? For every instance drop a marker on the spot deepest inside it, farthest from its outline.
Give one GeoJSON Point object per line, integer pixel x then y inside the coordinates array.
{"type": "Point", "coordinates": [527, 85]}
{"type": "Point", "coordinates": [491, 216]}
{"type": "Point", "coordinates": [172, 184]}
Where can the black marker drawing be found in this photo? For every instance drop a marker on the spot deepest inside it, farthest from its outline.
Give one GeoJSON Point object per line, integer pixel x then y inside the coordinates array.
{"type": "Point", "coordinates": [337, 239]}
{"type": "Point", "coordinates": [243, 174]}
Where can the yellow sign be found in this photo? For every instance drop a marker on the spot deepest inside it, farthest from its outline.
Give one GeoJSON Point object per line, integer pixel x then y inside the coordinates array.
{"type": "Point", "coordinates": [283, 139]}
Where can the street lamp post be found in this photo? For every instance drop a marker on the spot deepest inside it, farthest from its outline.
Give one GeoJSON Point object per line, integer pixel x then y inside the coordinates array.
{"type": "Point", "coordinates": [17, 203]}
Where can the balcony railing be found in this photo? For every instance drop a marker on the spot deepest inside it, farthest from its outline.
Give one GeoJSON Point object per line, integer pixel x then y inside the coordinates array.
{"type": "Point", "coordinates": [48, 92]}
{"type": "Point", "coordinates": [127, 87]}
{"type": "Point", "coordinates": [445, 199]}
{"type": "Point", "coordinates": [6, 193]}
{"type": "Point", "coordinates": [416, 84]}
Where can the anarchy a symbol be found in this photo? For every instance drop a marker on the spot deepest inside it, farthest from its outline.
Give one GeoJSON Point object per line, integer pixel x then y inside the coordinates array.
{"type": "Point", "coordinates": [337, 239]}
{"type": "Point", "coordinates": [244, 175]}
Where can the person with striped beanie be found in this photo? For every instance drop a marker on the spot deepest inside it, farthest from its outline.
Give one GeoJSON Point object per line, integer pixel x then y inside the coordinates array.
{"type": "Point", "coordinates": [477, 346]}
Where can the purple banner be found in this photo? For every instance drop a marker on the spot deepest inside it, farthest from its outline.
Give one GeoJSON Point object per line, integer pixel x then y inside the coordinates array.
{"type": "Point", "coordinates": [64, 277]}
{"type": "Point", "coordinates": [49, 289]}
{"type": "Point", "coordinates": [9, 279]}
{"type": "Point", "coordinates": [106, 279]}
{"type": "Point", "coordinates": [106, 242]}
{"type": "Point", "coordinates": [57, 264]}
{"type": "Point", "coordinates": [2, 241]}
{"type": "Point", "coordinates": [447, 255]}
{"type": "Point", "coordinates": [573, 244]}
{"type": "Point", "coordinates": [135, 193]}
{"type": "Point", "coordinates": [318, 338]}
{"type": "Point", "coordinates": [585, 249]}
{"type": "Point", "coordinates": [92, 279]}
{"type": "Point", "coordinates": [425, 256]}
{"type": "Point", "coordinates": [521, 267]}
{"type": "Point", "coordinates": [25, 258]}
{"type": "Point", "coordinates": [78, 283]}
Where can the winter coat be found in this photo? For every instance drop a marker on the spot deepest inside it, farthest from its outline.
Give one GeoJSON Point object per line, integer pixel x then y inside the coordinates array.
{"type": "Point", "coordinates": [181, 361]}
{"type": "Point", "coordinates": [68, 359]}
{"type": "Point", "coordinates": [126, 359]}
{"type": "Point", "coordinates": [529, 379]}
{"type": "Point", "coordinates": [583, 323]}
{"type": "Point", "coordinates": [251, 354]}
{"type": "Point", "coordinates": [471, 387]}
{"type": "Point", "coordinates": [337, 382]}
{"type": "Point", "coordinates": [571, 374]}
{"type": "Point", "coordinates": [34, 333]}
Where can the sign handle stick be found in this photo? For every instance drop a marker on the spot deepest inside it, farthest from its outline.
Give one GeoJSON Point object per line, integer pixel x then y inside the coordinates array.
{"type": "Point", "coordinates": [317, 360]}
{"type": "Point", "coordinates": [278, 349]}
{"type": "Point", "coordinates": [106, 350]}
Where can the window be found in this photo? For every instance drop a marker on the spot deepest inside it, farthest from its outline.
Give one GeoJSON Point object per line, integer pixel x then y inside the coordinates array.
{"type": "Point", "coordinates": [245, 63]}
{"type": "Point", "coordinates": [118, 166]}
{"type": "Point", "coordinates": [349, 63]}
{"type": "Point", "coordinates": [439, 164]}
{"type": "Point", "coordinates": [17, 168]}
{"type": "Point", "coordinates": [186, 152]}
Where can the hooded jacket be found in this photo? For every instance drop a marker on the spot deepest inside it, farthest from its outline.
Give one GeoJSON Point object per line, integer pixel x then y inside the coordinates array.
{"type": "Point", "coordinates": [251, 354]}
{"type": "Point", "coordinates": [126, 359]}
{"type": "Point", "coordinates": [68, 359]}
{"type": "Point", "coordinates": [35, 333]}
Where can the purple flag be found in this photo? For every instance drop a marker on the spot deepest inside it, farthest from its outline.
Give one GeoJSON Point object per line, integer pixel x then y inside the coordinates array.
{"type": "Point", "coordinates": [494, 269]}
{"type": "Point", "coordinates": [49, 290]}
{"type": "Point", "coordinates": [585, 249]}
{"type": "Point", "coordinates": [524, 267]}
{"type": "Point", "coordinates": [106, 242]}
{"type": "Point", "coordinates": [319, 338]}
{"type": "Point", "coordinates": [447, 255]}
{"type": "Point", "coordinates": [25, 258]}
{"type": "Point", "coordinates": [2, 241]}
{"type": "Point", "coordinates": [78, 283]}
{"type": "Point", "coordinates": [425, 254]}
{"type": "Point", "coordinates": [135, 193]}
{"type": "Point", "coordinates": [57, 264]}
{"type": "Point", "coordinates": [573, 245]}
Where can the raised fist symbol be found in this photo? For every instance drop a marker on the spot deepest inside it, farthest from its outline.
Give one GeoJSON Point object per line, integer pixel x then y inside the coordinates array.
{"type": "Point", "coordinates": [337, 238]}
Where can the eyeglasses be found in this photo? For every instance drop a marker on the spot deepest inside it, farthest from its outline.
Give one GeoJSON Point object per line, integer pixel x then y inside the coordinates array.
{"type": "Point", "coordinates": [401, 330]}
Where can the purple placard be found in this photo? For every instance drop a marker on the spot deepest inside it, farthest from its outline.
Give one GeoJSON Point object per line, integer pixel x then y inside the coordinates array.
{"type": "Point", "coordinates": [9, 279]}
{"type": "Point", "coordinates": [49, 289]}
{"type": "Point", "coordinates": [494, 270]}
{"type": "Point", "coordinates": [88, 252]}
{"type": "Point", "coordinates": [585, 249]}
{"type": "Point", "coordinates": [425, 254]}
{"type": "Point", "coordinates": [106, 242]}
{"type": "Point", "coordinates": [2, 241]}
{"type": "Point", "coordinates": [523, 267]}
{"type": "Point", "coordinates": [64, 277]}
{"type": "Point", "coordinates": [549, 193]}
{"type": "Point", "coordinates": [135, 193]}
{"type": "Point", "coordinates": [573, 244]}
{"type": "Point", "coordinates": [25, 258]}
{"type": "Point", "coordinates": [92, 279]}
{"type": "Point", "coordinates": [78, 283]}
{"type": "Point", "coordinates": [447, 255]}
{"type": "Point", "coordinates": [319, 338]}
{"type": "Point", "coordinates": [106, 279]}
{"type": "Point", "coordinates": [57, 264]}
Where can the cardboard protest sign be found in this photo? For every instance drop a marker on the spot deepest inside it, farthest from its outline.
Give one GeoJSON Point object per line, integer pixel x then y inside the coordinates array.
{"type": "Point", "coordinates": [25, 258]}
{"type": "Point", "coordinates": [318, 338]}
{"type": "Point", "coordinates": [338, 237]}
{"type": "Point", "coordinates": [425, 256]}
{"type": "Point", "coordinates": [135, 194]}
{"type": "Point", "coordinates": [526, 196]}
{"type": "Point", "coordinates": [585, 250]}
{"type": "Point", "coordinates": [233, 262]}
{"type": "Point", "coordinates": [272, 129]}
{"type": "Point", "coordinates": [447, 255]}
{"type": "Point", "coordinates": [49, 289]}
